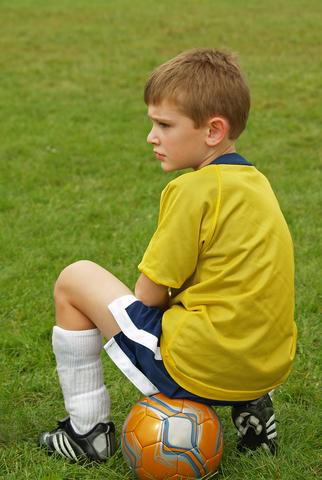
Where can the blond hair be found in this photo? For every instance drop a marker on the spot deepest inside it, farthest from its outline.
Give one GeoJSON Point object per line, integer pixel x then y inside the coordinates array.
{"type": "Point", "coordinates": [202, 83]}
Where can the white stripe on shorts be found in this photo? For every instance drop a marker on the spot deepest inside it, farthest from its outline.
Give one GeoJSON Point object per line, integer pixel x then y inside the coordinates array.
{"type": "Point", "coordinates": [117, 308]}
{"type": "Point", "coordinates": [141, 382]}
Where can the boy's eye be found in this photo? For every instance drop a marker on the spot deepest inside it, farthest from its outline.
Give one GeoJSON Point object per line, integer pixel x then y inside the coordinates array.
{"type": "Point", "coordinates": [163, 125]}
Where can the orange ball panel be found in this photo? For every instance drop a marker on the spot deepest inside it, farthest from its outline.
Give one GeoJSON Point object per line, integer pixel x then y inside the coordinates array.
{"type": "Point", "coordinates": [131, 449]}
{"type": "Point", "coordinates": [159, 466]}
{"type": "Point", "coordinates": [213, 463]}
{"type": "Point", "coordinates": [185, 463]}
{"type": "Point", "coordinates": [176, 403]}
{"type": "Point", "coordinates": [211, 438]}
{"type": "Point", "coordinates": [148, 431]}
{"type": "Point", "coordinates": [203, 411]}
{"type": "Point", "coordinates": [159, 403]}
{"type": "Point", "coordinates": [134, 418]}
{"type": "Point", "coordinates": [181, 477]}
{"type": "Point", "coordinates": [143, 475]}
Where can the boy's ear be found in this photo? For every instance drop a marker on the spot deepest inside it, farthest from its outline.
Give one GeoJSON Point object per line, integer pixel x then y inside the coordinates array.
{"type": "Point", "coordinates": [218, 128]}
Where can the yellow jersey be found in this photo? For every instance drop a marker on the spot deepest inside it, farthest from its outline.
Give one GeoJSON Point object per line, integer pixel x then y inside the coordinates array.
{"type": "Point", "coordinates": [223, 247]}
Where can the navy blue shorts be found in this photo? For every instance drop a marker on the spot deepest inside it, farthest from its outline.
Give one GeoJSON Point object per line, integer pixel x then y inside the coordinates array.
{"type": "Point", "coordinates": [136, 350]}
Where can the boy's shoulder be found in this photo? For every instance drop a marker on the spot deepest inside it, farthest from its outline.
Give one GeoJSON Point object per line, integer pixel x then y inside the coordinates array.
{"type": "Point", "coordinates": [195, 178]}
{"type": "Point", "coordinates": [191, 189]}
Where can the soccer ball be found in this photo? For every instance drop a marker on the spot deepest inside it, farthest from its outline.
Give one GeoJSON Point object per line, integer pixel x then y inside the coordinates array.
{"type": "Point", "coordinates": [171, 439]}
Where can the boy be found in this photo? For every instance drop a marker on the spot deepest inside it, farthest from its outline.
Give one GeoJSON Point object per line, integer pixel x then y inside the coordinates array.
{"type": "Point", "coordinates": [217, 276]}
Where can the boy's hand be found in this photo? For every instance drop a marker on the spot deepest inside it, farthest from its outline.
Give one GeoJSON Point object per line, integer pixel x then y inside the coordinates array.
{"type": "Point", "coordinates": [150, 293]}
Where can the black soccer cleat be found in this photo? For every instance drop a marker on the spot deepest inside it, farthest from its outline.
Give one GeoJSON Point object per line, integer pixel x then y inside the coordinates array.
{"type": "Point", "coordinates": [255, 422]}
{"type": "Point", "coordinates": [96, 445]}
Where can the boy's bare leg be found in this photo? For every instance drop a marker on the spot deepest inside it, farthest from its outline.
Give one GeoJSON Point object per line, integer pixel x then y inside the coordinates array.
{"type": "Point", "coordinates": [83, 292]}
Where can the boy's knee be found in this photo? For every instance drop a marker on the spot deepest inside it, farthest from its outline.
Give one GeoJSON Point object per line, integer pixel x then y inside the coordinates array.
{"type": "Point", "coordinates": [67, 277]}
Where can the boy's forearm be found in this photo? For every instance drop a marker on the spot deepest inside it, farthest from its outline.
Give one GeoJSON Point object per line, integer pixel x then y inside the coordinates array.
{"type": "Point", "coordinates": [150, 293]}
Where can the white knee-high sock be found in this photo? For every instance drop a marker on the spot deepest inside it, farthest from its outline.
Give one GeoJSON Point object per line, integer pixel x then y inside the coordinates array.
{"type": "Point", "coordinates": [80, 374]}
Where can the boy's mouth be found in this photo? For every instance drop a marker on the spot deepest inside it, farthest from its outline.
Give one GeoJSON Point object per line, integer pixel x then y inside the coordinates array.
{"type": "Point", "coordinates": [159, 156]}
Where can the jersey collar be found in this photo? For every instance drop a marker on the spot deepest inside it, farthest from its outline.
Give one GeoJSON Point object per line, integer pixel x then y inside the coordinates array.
{"type": "Point", "coordinates": [230, 159]}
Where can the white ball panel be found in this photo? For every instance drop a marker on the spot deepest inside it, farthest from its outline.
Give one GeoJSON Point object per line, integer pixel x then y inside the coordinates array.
{"type": "Point", "coordinates": [178, 432]}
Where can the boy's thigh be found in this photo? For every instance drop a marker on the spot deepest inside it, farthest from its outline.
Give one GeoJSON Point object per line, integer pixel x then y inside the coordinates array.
{"type": "Point", "coordinates": [90, 288]}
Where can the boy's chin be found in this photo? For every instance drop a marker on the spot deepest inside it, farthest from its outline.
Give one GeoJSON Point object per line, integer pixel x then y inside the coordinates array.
{"type": "Point", "coordinates": [170, 168]}
{"type": "Point", "coordinates": [167, 168]}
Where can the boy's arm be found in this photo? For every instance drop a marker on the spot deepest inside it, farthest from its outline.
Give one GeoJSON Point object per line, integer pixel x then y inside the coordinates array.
{"type": "Point", "coordinates": [150, 293]}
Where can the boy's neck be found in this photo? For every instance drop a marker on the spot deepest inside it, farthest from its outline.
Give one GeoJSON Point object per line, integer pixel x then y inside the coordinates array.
{"type": "Point", "coordinates": [220, 150]}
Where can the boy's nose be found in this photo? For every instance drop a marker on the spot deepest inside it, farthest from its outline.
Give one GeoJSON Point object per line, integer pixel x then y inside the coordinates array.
{"type": "Point", "coordinates": [151, 138]}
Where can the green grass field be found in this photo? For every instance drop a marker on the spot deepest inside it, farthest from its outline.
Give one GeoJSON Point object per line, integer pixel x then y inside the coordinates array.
{"type": "Point", "coordinates": [77, 180]}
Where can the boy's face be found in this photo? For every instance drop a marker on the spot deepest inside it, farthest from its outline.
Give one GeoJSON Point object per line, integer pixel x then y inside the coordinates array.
{"type": "Point", "coordinates": [177, 144]}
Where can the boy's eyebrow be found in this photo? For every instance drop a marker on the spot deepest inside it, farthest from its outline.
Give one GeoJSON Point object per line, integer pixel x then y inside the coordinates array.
{"type": "Point", "coordinates": [158, 118]}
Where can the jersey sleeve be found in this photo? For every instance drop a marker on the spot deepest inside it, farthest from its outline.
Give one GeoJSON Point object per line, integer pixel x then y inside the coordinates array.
{"type": "Point", "coordinates": [172, 254]}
